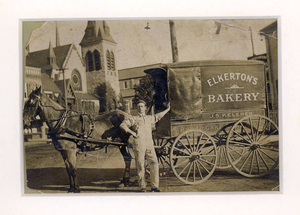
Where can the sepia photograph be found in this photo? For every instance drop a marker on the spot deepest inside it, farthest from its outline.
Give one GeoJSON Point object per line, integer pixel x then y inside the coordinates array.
{"type": "Point", "coordinates": [150, 105]}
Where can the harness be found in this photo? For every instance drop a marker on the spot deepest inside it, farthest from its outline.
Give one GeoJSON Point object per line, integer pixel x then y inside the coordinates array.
{"type": "Point", "coordinates": [60, 127]}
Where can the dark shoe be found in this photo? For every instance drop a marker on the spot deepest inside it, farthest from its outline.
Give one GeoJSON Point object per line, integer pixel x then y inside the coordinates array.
{"type": "Point", "coordinates": [155, 190]}
{"type": "Point", "coordinates": [124, 182]}
{"type": "Point", "coordinates": [143, 190]}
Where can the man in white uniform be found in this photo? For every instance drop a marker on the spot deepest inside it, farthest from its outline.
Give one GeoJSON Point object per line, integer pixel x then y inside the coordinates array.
{"type": "Point", "coordinates": [143, 144]}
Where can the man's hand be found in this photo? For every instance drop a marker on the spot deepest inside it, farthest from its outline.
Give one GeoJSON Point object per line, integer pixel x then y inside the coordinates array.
{"type": "Point", "coordinates": [168, 106]}
{"type": "Point", "coordinates": [133, 134]}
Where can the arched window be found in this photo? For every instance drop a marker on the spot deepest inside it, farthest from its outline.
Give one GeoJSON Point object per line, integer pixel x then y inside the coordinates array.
{"type": "Point", "coordinates": [112, 61]}
{"type": "Point", "coordinates": [97, 59]}
{"type": "Point", "coordinates": [108, 60]}
{"type": "Point", "coordinates": [89, 61]}
{"type": "Point", "coordinates": [76, 80]}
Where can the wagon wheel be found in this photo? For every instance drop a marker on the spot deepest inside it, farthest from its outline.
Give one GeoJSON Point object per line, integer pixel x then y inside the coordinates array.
{"type": "Point", "coordinates": [195, 154]}
{"type": "Point", "coordinates": [162, 148]}
{"type": "Point", "coordinates": [221, 137]}
{"type": "Point", "coordinates": [259, 143]}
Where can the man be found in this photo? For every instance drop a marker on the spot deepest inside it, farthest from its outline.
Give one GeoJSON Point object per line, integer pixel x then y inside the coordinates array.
{"type": "Point", "coordinates": [143, 144]}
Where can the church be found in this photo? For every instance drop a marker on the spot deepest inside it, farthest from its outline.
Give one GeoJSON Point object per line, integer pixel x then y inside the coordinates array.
{"type": "Point", "coordinates": [70, 79]}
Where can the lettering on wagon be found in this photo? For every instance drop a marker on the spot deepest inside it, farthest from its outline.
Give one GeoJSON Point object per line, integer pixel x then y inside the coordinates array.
{"type": "Point", "coordinates": [232, 77]}
{"type": "Point", "coordinates": [229, 115]}
{"type": "Point", "coordinates": [233, 97]}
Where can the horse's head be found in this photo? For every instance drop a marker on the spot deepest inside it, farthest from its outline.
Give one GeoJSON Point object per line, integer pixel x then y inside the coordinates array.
{"type": "Point", "coordinates": [32, 107]}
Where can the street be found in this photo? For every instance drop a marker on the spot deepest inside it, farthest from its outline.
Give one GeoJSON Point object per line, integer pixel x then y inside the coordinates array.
{"type": "Point", "coordinates": [100, 172]}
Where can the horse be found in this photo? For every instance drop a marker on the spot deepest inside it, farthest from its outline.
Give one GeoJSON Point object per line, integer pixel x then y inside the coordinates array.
{"type": "Point", "coordinates": [68, 129]}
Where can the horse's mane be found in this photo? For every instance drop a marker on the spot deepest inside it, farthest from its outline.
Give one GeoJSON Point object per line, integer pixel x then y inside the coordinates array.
{"type": "Point", "coordinates": [52, 103]}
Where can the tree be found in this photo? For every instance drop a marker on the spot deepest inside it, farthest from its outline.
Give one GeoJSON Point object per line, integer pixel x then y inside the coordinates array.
{"type": "Point", "coordinates": [108, 97]}
{"type": "Point", "coordinates": [144, 91]}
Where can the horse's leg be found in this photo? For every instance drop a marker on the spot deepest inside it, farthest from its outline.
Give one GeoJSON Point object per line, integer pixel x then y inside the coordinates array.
{"type": "Point", "coordinates": [69, 157]}
{"type": "Point", "coordinates": [127, 159]}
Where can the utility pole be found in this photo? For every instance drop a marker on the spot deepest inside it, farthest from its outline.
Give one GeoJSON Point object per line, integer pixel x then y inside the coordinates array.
{"type": "Point", "coordinates": [173, 41]}
{"type": "Point", "coordinates": [65, 89]}
{"type": "Point", "coordinates": [251, 40]}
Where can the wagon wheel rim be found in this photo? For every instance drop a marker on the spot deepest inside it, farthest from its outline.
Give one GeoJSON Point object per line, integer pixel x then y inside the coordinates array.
{"type": "Point", "coordinates": [196, 155]}
{"type": "Point", "coordinates": [260, 144]}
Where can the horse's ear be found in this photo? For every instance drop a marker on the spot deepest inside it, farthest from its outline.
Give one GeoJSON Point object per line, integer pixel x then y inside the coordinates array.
{"type": "Point", "coordinates": [39, 90]}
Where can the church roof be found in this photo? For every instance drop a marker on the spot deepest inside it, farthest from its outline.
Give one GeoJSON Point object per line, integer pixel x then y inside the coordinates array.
{"type": "Point", "coordinates": [60, 84]}
{"type": "Point", "coordinates": [49, 85]}
{"type": "Point", "coordinates": [96, 31]}
{"type": "Point", "coordinates": [39, 58]}
{"type": "Point", "coordinates": [69, 89]}
{"type": "Point", "coordinates": [85, 96]}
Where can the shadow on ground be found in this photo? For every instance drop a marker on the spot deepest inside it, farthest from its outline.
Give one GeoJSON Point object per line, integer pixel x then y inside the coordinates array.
{"type": "Point", "coordinates": [90, 180]}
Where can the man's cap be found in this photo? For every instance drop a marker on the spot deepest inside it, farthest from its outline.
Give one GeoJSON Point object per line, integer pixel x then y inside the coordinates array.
{"type": "Point", "coordinates": [141, 101]}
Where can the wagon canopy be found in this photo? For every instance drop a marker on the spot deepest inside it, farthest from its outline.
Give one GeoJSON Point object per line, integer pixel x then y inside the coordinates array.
{"type": "Point", "coordinates": [183, 90]}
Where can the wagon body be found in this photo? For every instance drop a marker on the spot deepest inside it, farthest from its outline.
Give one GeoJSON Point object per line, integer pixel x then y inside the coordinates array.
{"type": "Point", "coordinates": [207, 95]}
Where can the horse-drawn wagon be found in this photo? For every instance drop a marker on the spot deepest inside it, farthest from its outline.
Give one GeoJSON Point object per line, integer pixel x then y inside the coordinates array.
{"type": "Point", "coordinates": [217, 120]}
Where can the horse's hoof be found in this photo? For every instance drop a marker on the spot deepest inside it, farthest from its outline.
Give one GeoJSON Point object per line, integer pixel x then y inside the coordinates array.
{"type": "Point", "coordinates": [71, 190]}
{"type": "Point", "coordinates": [77, 191]}
{"type": "Point", "coordinates": [124, 183]}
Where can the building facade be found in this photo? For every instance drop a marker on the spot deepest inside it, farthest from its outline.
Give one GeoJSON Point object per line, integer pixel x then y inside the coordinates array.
{"type": "Point", "coordinates": [270, 34]}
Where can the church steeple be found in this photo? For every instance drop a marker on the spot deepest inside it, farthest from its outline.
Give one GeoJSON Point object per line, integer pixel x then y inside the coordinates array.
{"type": "Point", "coordinates": [52, 57]}
{"type": "Point", "coordinates": [57, 36]}
{"type": "Point", "coordinates": [98, 50]}
{"type": "Point", "coordinates": [95, 32]}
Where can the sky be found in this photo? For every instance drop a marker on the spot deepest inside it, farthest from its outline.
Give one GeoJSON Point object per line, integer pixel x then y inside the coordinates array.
{"type": "Point", "coordinates": [137, 46]}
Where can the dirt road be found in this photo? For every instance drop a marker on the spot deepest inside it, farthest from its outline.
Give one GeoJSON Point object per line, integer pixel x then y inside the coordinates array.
{"type": "Point", "coordinates": [101, 172]}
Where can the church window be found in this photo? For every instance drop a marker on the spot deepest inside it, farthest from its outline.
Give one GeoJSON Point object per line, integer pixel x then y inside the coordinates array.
{"type": "Point", "coordinates": [112, 61]}
{"type": "Point", "coordinates": [108, 60]}
{"type": "Point", "coordinates": [89, 62]}
{"type": "Point", "coordinates": [125, 85]}
{"type": "Point", "coordinates": [97, 60]}
{"type": "Point", "coordinates": [76, 80]}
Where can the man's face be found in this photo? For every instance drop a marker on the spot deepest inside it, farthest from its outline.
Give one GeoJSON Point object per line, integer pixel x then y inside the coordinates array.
{"type": "Point", "coordinates": [141, 108]}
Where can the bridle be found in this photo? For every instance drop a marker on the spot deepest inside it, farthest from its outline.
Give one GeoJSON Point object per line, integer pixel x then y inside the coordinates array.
{"type": "Point", "coordinates": [39, 107]}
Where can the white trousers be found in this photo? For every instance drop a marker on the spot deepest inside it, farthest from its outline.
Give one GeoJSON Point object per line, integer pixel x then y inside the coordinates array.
{"type": "Point", "coordinates": [140, 152]}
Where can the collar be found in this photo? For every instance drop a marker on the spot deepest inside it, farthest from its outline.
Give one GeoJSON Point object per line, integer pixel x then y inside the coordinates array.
{"type": "Point", "coordinates": [142, 115]}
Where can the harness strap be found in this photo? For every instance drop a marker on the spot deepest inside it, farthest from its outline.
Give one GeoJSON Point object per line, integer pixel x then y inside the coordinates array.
{"type": "Point", "coordinates": [60, 123]}
{"type": "Point", "coordinates": [60, 127]}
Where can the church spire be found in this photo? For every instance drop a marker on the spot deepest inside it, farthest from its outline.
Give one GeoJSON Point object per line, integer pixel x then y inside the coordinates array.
{"type": "Point", "coordinates": [52, 57]}
{"type": "Point", "coordinates": [57, 36]}
{"type": "Point", "coordinates": [51, 51]}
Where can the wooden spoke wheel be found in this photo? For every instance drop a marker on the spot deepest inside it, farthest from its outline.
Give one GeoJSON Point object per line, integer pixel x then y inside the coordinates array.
{"type": "Point", "coordinates": [221, 138]}
{"type": "Point", "coordinates": [193, 157]}
{"type": "Point", "coordinates": [253, 151]}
